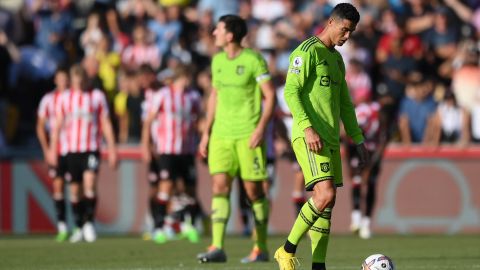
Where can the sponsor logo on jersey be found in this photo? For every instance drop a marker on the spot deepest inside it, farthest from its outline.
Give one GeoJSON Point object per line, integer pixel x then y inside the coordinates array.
{"type": "Point", "coordinates": [297, 61]}
{"type": "Point", "coordinates": [294, 71]}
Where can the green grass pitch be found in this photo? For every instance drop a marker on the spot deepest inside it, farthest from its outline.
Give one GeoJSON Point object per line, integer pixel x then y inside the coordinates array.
{"type": "Point", "coordinates": [345, 252]}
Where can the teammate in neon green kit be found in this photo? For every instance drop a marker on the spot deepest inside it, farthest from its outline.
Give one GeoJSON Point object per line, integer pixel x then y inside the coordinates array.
{"type": "Point", "coordinates": [235, 127]}
{"type": "Point", "coordinates": [317, 95]}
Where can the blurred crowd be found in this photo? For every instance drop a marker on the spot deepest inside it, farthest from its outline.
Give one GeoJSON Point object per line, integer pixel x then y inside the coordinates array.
{"type": "Point", "coordinates": [418, 58]}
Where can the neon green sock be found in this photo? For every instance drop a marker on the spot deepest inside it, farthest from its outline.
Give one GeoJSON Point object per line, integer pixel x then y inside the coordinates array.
{"type": "Point", "coordinates": [306, 218]}
{"type": "Point", "coordinates": [220, 215]}
{"type": "Point", "coordinates": [319, 234]}
{"type": "Point", "coordinates": [261, 211]}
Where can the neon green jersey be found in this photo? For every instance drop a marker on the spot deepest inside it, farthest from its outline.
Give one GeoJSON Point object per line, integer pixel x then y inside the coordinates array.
{"type": "Point", "coordinates": [316, 92]}
{"type": "Point", "coordinates": [239, 98]}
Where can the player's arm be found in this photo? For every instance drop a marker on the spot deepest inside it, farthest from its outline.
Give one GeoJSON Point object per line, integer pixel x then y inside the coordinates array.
{"type": "Point", "coordinates": [268, 91]}
{"type": "Point", "coordinates": [54, 138]}
{"type": "Point", "coordinates": [210, 118]}
{"type": "Point", "coordinates": [301, 65]}
{"type": "Point", "coordinates": [145, 139]}
{"type": "Point", "coordinates": [107, 130]}
{"type": "Point", "coordinates": [42, 135]}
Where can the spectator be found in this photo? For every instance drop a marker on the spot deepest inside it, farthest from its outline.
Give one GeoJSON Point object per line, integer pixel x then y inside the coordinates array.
{"type": "Point", "coordinates": [141, 51]}
{"type": "Point", "coordinates": [108, 63]}
{"type": "Point", "coordinates": [165, 28]}
{"type": "Point", "coordinates": [120, 39]}
{"type": "Point", "coordinates": [420, 16]}
{"type": "Point", "coordinates": [90, 65]}
{"type": "Point", "coordinates": [441, 40]}
{"type": "Point", "coordinates": [92, 35]}
{"type": "Point", "coordinates": [476, 119]}
{"type": "Point", "coordinates": [416, 111]}
{"type": "Point", "coordinates": [126, 81]}
{"type": "Point", "coordinates": [134, 111]}
{"type": "Point", "coordinates": [451, 122]}
{"type": "Point", "coordinates": [358, 81]}
{"type": "Point", "coordinates": [53, 27]}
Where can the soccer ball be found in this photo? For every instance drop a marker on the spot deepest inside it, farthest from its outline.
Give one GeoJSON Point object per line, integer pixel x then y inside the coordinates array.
{"type": "Point", "coordinates": [378, 262]}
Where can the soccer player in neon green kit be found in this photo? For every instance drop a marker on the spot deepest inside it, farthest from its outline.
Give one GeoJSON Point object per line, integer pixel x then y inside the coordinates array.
{"type": "Point", "coordinates": [317, 95]}
{"type": "Point", "coordinates": [235, 125]}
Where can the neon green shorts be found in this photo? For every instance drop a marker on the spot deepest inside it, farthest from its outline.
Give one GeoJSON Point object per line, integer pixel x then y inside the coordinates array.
{"type": "Point", "coordinates": [318, 167]}
{"type": "Point", "coordinates": [233, 155]}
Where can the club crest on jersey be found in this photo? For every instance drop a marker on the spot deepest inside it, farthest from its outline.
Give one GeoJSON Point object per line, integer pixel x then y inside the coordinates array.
{"type": "Point", "coordinates": [325, 167]}
{"type": "Point", "coordinates": [240, 70]}
{"type": "Point", "coordinates": [325, 80]}
{"type": "Point", "coordinates": [297, 61]}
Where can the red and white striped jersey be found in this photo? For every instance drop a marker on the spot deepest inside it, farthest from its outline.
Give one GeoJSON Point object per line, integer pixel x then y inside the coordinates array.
{"type": "Point", "coordinates": [177, 114]}
{"type": "Point", "coordinates": [47, 110]}
{"type": "Point", "coordinates": [360, 86]}
{"type": "Point", "coordinates": [368, 117]}
{"type": "Point", "coordinates": [82, 112]}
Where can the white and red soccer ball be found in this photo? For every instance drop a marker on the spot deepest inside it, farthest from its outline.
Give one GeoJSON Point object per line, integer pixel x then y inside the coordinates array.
{"type": "Point", "coordinates": [378, 262]}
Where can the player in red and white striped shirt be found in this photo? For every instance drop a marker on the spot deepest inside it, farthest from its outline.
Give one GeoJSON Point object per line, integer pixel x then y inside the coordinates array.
{"type": "Point", "coordinates": [149, 85]}
{"type": "Point", "coordinates": [177, 109]}
{"type": "Point", "coordinates": [46, 117]}
{"type": "Point", "coordinates": [84, 116]}
{"type": "Point", "coordinates": [372, 122]}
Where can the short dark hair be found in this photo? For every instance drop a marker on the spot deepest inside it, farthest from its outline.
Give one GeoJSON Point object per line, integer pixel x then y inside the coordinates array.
{"type": "Point", "coordinates": [235, 25]}
{"type": "Point", "coordinates": [346, 11]}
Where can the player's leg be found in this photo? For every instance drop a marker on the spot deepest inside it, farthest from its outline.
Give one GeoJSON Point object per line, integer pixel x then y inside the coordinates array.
{"type": "Point", "coordinates": [223, 165]}
{"type": "Point", "coordinates": [74, 177]}
{"type": "Point", "coordinates": [194, 208]}
{"type": "Point", "coordinates": [59, 202]}
{"type": "Point", "coordinates": [90, 173]}
{"type": "Point", "coordinates": [365, 230]}
{"type": "Point", "coordinates": [271, 176]}
{"type": "Point", "coordinates": [58, 174]}
{"type": "Point", "coordinates": [320, 231]}
{"type": "Point", "coordinates": [153, 178]}
{"type": "Point", "coordinates": [253, 171]}
{"type": "Point", "coordinates": [221, 185]}
{"type": "Point", "coordinates": [245, 210]}
{"type": "Point", "coordinates": [298, 193]}
{"type": "Point", "coordinates": [356, 193]}
{"type": "Point", "coordinates": [319, 175]}
{"type": "Point", "coordinates": [162, 198]}
{"type": "Point", "coordinates": [187, 209]}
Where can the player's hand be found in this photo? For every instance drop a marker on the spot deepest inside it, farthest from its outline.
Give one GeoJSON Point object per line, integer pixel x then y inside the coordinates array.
{"type": "Point", "coordinates": [112, 159]}
{"type": "Point", "coordinates": [313, 140]}
{"type": "Point", "coordinates": [146, 154]}
{"type": "Point", "coordinates": [51, 158]}
{"type": "Point", "coordinates": [362, 155]}
{"type": "Point", "coordinates": [256, 138]}
{"type": "Point", "coordinates": [203, 146]}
